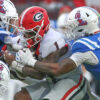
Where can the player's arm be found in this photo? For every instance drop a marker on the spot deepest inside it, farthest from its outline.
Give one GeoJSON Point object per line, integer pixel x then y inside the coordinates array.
{"type": "Point", "coordinates": [28, 71]}
{"type": "Point", "coordinates": [55, 56]}
{"type": "Point", "coordinates": [68, 64]}
{"type": "Point", "coordinates": [31, 72]}
{"type": "Point", "coordinates": [56, 69]}
{"type": "Point", "coordinates": [23, 69]}
{"type": "Point", "coordinates": [78, 57]}
{"type": "Point", "coordinates": [26, 57]}
{"type": "Point", "coordinates": [65, 66]}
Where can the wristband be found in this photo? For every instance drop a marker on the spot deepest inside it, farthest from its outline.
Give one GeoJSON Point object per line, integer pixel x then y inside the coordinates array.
{"type": "Point", "coordinates": [32, 62]}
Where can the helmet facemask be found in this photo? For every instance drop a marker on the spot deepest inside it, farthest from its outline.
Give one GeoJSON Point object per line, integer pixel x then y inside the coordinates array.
{"type": "Point", "coordinates": [34, 22]}
{"type": "Point", "coordinates": [9, 24]}
{"type": "Point", "coordinates": [32, 34]}
{"type": "Point", "coordinates": [13, 25]}
{"type": "Point", "coordinates": [9, 13]}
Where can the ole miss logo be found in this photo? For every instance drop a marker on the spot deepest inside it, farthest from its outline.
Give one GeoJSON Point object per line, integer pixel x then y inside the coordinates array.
{"type": "Point", "coordinates": [2, 10]}
{"type": "Point", "coordinates": [38, 16]}
{"type": "Point", "coordinates": [1, 67]}
{"type": "Point", "coordinates": [81, 21]}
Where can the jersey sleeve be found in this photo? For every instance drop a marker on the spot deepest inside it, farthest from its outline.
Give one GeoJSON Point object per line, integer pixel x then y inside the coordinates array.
{"type": "Point", "coordinates": [80, 46]}
{"type": "Point", "coordinates": [3, 34]}
{"type": "Point", "coordinates": [2, 37]}
{"type": "Point", "coordinates": [85, 58]}
{"type": "Point", "coordinates": [83, 52]}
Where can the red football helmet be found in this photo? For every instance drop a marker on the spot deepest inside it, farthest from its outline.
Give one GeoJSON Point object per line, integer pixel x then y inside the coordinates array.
{"type": "Point", "coordinates": [34, 22]}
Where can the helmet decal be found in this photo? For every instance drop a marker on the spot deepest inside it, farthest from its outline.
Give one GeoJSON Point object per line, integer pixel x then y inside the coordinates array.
{"type": "Point", "coordinates": [1, 67]}
{"type": "Point", "coordinates": [81, 21]}
{"type": "Point", "coordinates": [38, 16]}
{"type": "Point", "coordinates": [2, 7]}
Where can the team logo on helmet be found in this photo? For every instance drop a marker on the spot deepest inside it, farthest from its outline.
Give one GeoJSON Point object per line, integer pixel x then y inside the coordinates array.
{"type": "Point", "coordinates": [38, 16]}
{"type": "Point", "coordinates": [81, 21]}
{"type": "Point", "coordinates": [2, 7]}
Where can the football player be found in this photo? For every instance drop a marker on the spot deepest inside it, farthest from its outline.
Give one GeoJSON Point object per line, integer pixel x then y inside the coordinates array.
{"type": "Point", "coordinates": [34, 23]}
{"type": "Point", "coordinates": [8, 32]}
{"type": "Point", "coordinates": [8, 24]}
{"type": "Point", "coordinates": [83, 26]}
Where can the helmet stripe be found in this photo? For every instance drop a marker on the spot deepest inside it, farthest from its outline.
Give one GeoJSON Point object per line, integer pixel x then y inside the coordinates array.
{"type": "Point", "coordinates": [23, 16]}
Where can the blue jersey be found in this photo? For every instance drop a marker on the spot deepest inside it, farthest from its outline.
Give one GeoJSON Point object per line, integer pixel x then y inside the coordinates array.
{"type": "Point", "coordinates": [3, 34]}
{"type": "Point", "coordinates": [90, 43]}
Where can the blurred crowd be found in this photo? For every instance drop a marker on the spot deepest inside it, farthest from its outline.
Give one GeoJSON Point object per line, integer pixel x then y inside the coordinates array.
{"type": "Point", "coordinates": [54, 7]}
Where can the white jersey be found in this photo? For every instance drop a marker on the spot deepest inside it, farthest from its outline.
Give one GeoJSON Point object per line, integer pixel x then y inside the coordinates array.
{"type": "Point", "coordinates": [52, 41]}
{"type": "Point", "coordinates": [4, 78]}
{"type": "Point", "coordinates": [13, 87]}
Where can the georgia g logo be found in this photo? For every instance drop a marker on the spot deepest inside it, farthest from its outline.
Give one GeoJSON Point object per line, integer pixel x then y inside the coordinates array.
{"type": "Point", "coordinates": [38, 16]}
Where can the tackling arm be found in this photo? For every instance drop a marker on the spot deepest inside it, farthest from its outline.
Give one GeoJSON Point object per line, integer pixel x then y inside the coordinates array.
{"type": "Point", "coordinates": [48, 68]}
{"type": "Point", "coordinates": [55, 56]}
{"type": "Point", "coordinates": [67, 64]}
{"type": "Point", "coordinates": [38, 74]}
{"type": "Point", "coordinates": [25, 70]}
{"type": "Point", "coordinates": [56, 68]}
{"type": "Point", "coordinates": [31, 72]}
{"type": "Point", "coordinates": [25, 56]}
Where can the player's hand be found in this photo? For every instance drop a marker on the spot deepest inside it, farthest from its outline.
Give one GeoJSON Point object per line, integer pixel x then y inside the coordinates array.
{"type": "Point", "coordinates": [25, 57]}
{"type": "Point", "coordinates": [8, 57]}
{"type": "Point", "coordinates": [55, 56]}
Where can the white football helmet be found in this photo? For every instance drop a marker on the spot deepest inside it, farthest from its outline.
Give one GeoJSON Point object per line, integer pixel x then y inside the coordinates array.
{"type": "Point", "coordinates": [82, 21]}
{"type": "Point", "coordinates": [61, 20]}
{"type": "Point", "coordinates": [7, 12]}
{"type": "Point", "coordinates": [4, 77]}
{"type": "Point", "coordinates": [61, 23]}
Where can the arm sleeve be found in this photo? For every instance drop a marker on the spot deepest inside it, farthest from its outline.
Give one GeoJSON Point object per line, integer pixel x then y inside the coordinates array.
{"type": "Point", "coordinates": [86, 57]}
{"type": "Point", "coordinates": [83, 53]}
